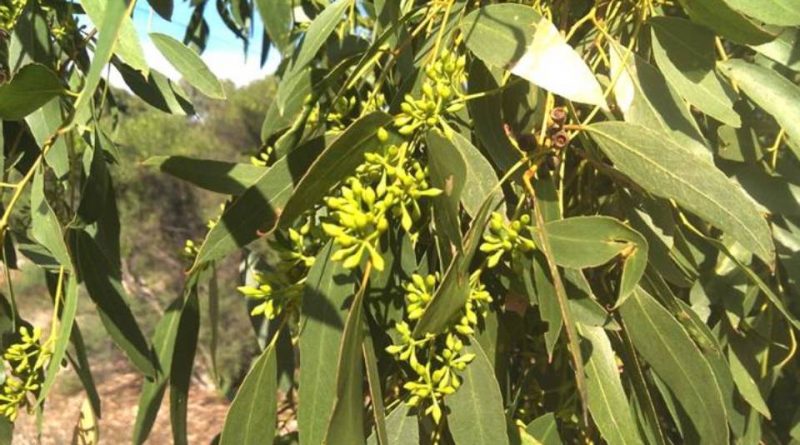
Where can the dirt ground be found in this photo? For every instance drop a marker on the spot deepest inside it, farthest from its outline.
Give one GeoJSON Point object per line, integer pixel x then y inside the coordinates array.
{"type": "Point", "coordinates": [119, 388]}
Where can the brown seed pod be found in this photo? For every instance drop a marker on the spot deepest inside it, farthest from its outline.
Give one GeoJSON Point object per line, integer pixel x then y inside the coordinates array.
{"type": "Point", "coordinates": [560, 139]}
{"type": "Point", "coordinates": [558, 115]}
{"type": "Point", "coordinates": [527, 142]}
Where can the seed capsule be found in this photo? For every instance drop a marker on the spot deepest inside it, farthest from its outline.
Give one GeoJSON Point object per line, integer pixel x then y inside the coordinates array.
{"type": "Point", "coordinates": [560, 139]}
{"type": "Point", "coordinates": [558, 115]}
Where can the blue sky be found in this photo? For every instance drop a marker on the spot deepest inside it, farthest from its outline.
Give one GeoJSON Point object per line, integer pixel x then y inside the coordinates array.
{"type": "Point", "coordinates": [224, 53]}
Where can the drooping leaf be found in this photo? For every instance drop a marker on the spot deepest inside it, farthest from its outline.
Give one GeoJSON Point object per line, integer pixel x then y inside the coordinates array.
{"type": "Point", "coordinates": [328, 286]}
{"type": "Point", "coordinates": [189, 65]}
{"type": "Point", "coordinates": [773, 12]}
{"type": "Point", "coordinates": [448, 172]}
{"type": "Point", "coordinates": [180, 372]}
{"type": "Point", "coordinates": [111, 300]}
{"type": "Point", "coordinates": [674, 357]}
{"type": "Point", "coordinates": [252, 416]}
{"type": "Point", "coordinates": [607, 401]}
{"type": "Point", "coordinates": [278, 21]}
{"type": "Point", "coordinates": [774, 93]}
{"type": "Point", "coordinates": [69, 307]}
{"type": "Point", "coordinates": [228, 178]}
{"type": "Point", "coordinates": [552, 64]}
{"type": "Point", "coordinates": [127, 45]}
{"type": "Point", "coordinates": [476, 409]}
{"type": "Point", "coordinates": [481, 179]}
{"type": "Point", "coordinates": [164, 8]}
{"type": "Point", "coordinates": [402, 427]}
{"type": "Point", "coordinates": [33, 86]}
{"type": "Point", "coordinates": [668, 170]}
{"type": "Point", "coordinates": [157, 90]}
{"type": "Point", "coordinates": [45, 226]}
{"type": "Point", "coordinates": [499, 34]}
{"type": "Point", "coordinates": [685, 54]}
{"type": "Point", "coordinates": [44, 124]}
{"type": "Point", "coordinates": [783, 49]}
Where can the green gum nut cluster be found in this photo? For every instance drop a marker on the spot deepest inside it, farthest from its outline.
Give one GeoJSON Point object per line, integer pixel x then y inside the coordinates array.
{"type": "Point", "coordinates": [436, 360]}
{"type": "Point", "coordinates": [442, 93]}
{"type": "Point", "coordinates": [507, 237]}
{"type": "Point", "coordinates": [389, 184]}
{"type": "Point", "coordinates": [26, 362]}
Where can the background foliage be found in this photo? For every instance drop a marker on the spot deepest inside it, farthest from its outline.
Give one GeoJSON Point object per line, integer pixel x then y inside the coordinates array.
{"type": "Point", "coordinates": [452, 221]}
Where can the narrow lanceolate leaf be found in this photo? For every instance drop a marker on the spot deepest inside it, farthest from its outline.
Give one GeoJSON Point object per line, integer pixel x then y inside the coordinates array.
{"type": "Point", "coordinates": [328, 286]}
{"type": "Point", "coordinates": [180, 372]}
{"type": "Point", "coordinates": [552, 64]}
{"type": "Point", "coordinates": [402, 428]}
{"type": "Point", "coordinates": [589, 241]}
{"type": "Point", "coordinates": [452, 294]}
{"type": "Point", "coordinates": [448, 172]}
{"type": "Point", "coordinates": [783, 49]}
{"type": "Point", "coordinates": [110, 298]}
{"type": "Point", "coordinates": [44, 123]}
{"type": "Point", "coordinates": [277, 18]}
{"type": "Point", "coordinates": [481, 179]}
{"type": "Point", "coordinates": [476, 409]}
{"type": "Point", "coordinates": [69, 306]}
{"type": "Point", "coordinates": [44, 224]}
{"type": "Point", "coordinates": [774, 93]}
{"type": "Point", "coordinates": [666, 169]}
{"type": "Point", "coordinates": [128, 47]}
{"type": "Point", "coordinates": [729, 23]}
{"type": "Point", "coordinates": [256, 210]}
{"type": "Point", "coordinates": [189, 64]}
{"type": "Point", "coordinates": [607, 401]}
{"type": "Point", "coordinates": [375, 383]}
{"type": "Point", "coordinates": [773, 12]}
{"type": "Point", "coordinates": [675, 358]}
{"type": "Point", "coordinates": [33, 86]}
{"type": "Point", "coordinates": [685, 54]}
{"type": "Point", "coordinates": [337, 162]}
{"type": "Point", "coordinates": [228, 178]}
{"type": "Point", "coordinates": [116, 12]}
{"type": "Point", "coordinates": [252, 416]}
{"type": "Point", "coordinates": [499, 34]}
{"type": "Point", "coordinates": [153, 389]}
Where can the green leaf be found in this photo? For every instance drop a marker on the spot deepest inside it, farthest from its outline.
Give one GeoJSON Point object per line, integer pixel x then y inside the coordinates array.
{"type": "Point", "coordinates": [685, 54]}
{"type": "Point", "coordinates": [180, 373]}
{"type": "Point", "coordinates": [164, 8]}
{"type": "Point", "coordinates": [552, 64]}
{"type": "Point", "coordinates": [110, 298]}
{"type": "Point", "coordinates": [783, 49]}
{"type": "Point", "coordinates": [338, 161]}
{"type": "Point", "coordinates": [69, 302]}
{"type": "Point", "coordinates": [44, 223]}
{"type": "Point", "coordinates": [328, 286]}
{"type": "Point", "coordinates": [251, 417]}
{"type": "Point", "coordinates": [717, 15]}
{"type": "Point", "coordinates": [589, 241]}
{"type": "Point", "coordinates": [44, 124]}
{"type": "Point", "coordinates": [769, 90]}
{"type": "Point", "coordinates": [666, 169]}
{"type": "Point", "coordinates": [296, 89]}
{"type": "Point", "coordinates": [773, 12]}
{"type": "Point", "coordinates": [153, 389]}
{"type": "Point", "coordinates": [278, 20]}
{"type": "Point", "coordinates": [454, 290]}
{"type": "Point", "coordinates": [157, 90]}
{"type": "Point", "coordinates": [499, 34]}
{"type": "Point", "coordinates": [746, 383]}
{"type": "Point", "coordinates": [402, 428]}
{"type": "Point", "coordinates": [189, 64]}
{"type": "Point", "coordinates": [116, 13]}
{"type": "Point", "coordinates": [375, 383]}
{"type": "Point", "coordinates": [317, 34]}
{"type": "Point", "coordinates": [346, 424]}
{"type": "Point", "coordinates": [481, 179]}
{"type": "Point", "coordinates": [127, 46]}
{"type": "Point", "coordinates": [33, 86]}
{"type": "Point", "coordinates": [545, 429]}
{"type": "Point", "coordinates": [228, 178]}
{"type": "Point", "coordinates": [256, 210]}
{"type": "Point", "coordinates": [476, 414]}
{"type": "Point", "coordinates": [674, 357]}
{"type": "Point", "coordinates": [607, 401]}
{"type": "Point", "coordinates": [448, 173]}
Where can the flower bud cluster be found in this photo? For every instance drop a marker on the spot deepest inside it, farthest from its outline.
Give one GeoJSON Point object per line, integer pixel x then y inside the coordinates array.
{"type": "Point", "coordinates": [279, 289]}
{"type": "Point", "coordinates": [27, 361]}
{"type": "Point", "coordinates": [10, 12]}
{"type": "Point", "coordinates": [442, 91]}
{"type": "Point", "coordinates": [389, 184]}
{"type": "Point", "coordinates": [436, 360]}
{"type": "Point", "coordinates": [514, 238]}
{"type": "Point", "coordinates": [264, 156]}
